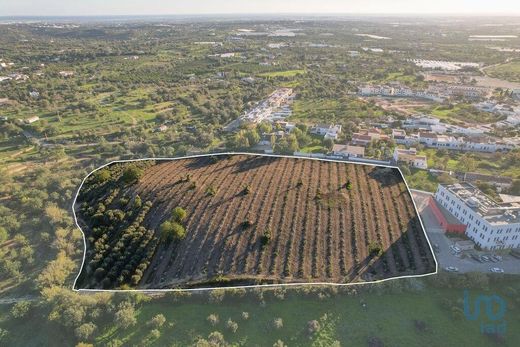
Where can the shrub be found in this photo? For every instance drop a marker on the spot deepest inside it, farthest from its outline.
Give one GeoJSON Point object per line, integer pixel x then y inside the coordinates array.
{"type": "Point", "coordinates": [102, 176]}
{"type": "Point", "coordinates": [154, 334]}
{"type": "Point", "coordinates": [85, 331]}
{"type": "Point", "coordinates": [131, 174]}
{"type": "Point", "coordinates": [172, 230]}
{"type": "Point", "coordinates": [20, 309]}
{"type": "Point", "coordinates": [158, 321]}
{"type": "Point", "coordinates": [179, 214]}
{"type": "Point", "coordinates": [213, 319]}
{"type": "Point", "coordinates": [231, 325]}
{"type": "Point", "coordinates": [375, 249]}
{"type": "Point", "coordinates": [266, 237]}
{"type": "Point", "coordinates": [246, 223]}
{"type": "Point", "coordinates": [348, 185]}
{"type": "Point", "coordinates": [138, 202]}
{"type": "Point", "coordinates": [211, 190]}
{"type": "Point", "coordinates": [278, 323]}
{"type": "Point", "coordinates": [313, 326]}
{"type": "Point", "coordinates": [246, 190]}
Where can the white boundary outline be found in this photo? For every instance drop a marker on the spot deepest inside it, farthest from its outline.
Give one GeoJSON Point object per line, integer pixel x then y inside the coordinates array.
{"type": "Point", "coordinates": [144, 290]}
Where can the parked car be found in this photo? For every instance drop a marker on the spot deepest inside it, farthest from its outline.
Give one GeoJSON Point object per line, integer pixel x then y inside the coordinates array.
{"type": "Point", "coordinates": [497, 270]}
{"type": "Point", "coordinates": [455, 249]}
{"type": "Point", "coordinates": [451, 269]}
{"type": "Point", "coordinates": [497, 257]}
{"type": "Point", "coordinates": [476, 257]}
{"type": "Point", "coordinates": [485, 258]}
{"type": "Point", "coordinates": [494, 258]}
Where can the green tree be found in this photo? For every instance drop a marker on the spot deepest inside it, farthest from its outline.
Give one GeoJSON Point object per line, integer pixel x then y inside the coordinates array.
{"type": "Point", "coordinates": [125, 315]}
{"type": "Point", "coordinates": [328, 143]}
{"type": "Point", "coordinates": [158, 321]}
{"type": "Point", "coordinates": [131, 174]}
{"type": "Point", "coordinates": [85, 331]}
{"type": "Point", "coordinates": [4, 235]}
{"type": "Point", "coordinates": [467, 163]}
{"type": "Point", "coordinates": [102, 176]}
{"type": "Point", "coordinates": [172, 230]}
{"type": "Point", "coordinates": [179, 214]}
{"type": "Point", "coordinates": [20, 309]}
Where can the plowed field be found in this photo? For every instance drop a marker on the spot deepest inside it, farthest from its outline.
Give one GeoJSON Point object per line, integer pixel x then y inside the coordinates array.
{"type": "Point", "coordinates": [325, 222]}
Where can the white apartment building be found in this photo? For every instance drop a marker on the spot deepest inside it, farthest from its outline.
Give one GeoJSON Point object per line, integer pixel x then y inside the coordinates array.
{"type": "Point", "coordinates": [489, 224]}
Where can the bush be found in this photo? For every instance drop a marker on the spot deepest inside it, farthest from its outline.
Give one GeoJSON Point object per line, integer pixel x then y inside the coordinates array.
{"type": "Point", "coordinates": [85, 331]}
{"type": "Point", "coordinates": [232, 326]}
{"type": "Point", "coordinates": [172, 230]}
{"type": "Point", "coordinates": [278, 323]}
{"type": "Point", "coordinates": [245, 315]}
{"type": "Point", "coordinates": [246, 223]}
{"type": "Point", "coordinates": [131, 174]}
{"type": "Point", "coordinates": [20, 309]}
{"type": "Point", "coordinates": [102, 176]}
{"type": "Point", "coordinates": [179, 214]}
{"type": "Point", "coordinates": [4, 235]}
{"type": "Point", "coordinates": [158, 321]}
{"type": "Point", "coordinates": [313, 326]}
{"type": "Point", "coordinates": [266, 237]}
{"type": "Point", "coordinates": [375, 249]}
{"type": "Point", "coordinates": [211, 191]}
{"type": "Point", "coordinates": [213, 319]}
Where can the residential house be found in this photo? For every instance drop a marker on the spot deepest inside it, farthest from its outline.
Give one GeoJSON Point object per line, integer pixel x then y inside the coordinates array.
{"type": "Point", "coordinates": [31, 120]}
{"type": "Point", "coordinates": [329, 131]}
{"type": "Point", "coordinates": [364, 137]}
{"type": "Point", "coordinates": [348, 151]}
{"type": "Point", "coordinates": [66, 73]}
{"type": "Point", "coordinates": [410, 157]}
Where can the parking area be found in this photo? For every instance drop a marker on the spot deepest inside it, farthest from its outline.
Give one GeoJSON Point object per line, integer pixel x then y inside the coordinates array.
{"type": "Point", "coordinates": [462, 261]}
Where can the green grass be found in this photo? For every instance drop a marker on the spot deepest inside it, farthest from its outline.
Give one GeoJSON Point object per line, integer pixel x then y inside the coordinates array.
{"type": "Point", "coordinates": [287, 73]}
{"type": "Point", "coordinates": [509, 71]}
{"type": "Point", "coordinates": [388, 316]}
{"type": "Point", "coordinates": [315, 110]}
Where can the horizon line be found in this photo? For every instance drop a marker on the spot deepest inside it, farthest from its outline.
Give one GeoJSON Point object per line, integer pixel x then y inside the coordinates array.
{"type": "Point", "coordinates": [275, 14]}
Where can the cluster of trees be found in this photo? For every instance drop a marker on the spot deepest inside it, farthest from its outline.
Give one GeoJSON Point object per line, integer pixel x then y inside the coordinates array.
{"type": "Point", "coordinates": [173, 229]}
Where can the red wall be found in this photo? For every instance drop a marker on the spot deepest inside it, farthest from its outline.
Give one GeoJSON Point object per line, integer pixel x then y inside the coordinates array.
{"type": "Point", "coordinates": [450, 228]}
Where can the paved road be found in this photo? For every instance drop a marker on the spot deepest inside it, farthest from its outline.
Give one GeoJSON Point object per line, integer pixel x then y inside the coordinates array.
{"type": "Point", "coordinates": [445, 257]}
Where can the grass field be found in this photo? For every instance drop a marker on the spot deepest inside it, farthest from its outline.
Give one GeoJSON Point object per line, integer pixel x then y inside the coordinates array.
{"type": "Point", "coordinates": [389, 313]}
{"type": "Point", "coordinates": [286, 73]}
{"type": "Point", "coordinates": [509, 71]}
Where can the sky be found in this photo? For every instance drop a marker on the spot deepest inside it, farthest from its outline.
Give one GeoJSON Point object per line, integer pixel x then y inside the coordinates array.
{"type": "Point", "coordinates": [176, 7]}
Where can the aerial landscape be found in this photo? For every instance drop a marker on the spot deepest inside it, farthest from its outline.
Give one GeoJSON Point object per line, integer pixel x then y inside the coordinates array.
{"type": "Point", "coordinates": [259, 173]}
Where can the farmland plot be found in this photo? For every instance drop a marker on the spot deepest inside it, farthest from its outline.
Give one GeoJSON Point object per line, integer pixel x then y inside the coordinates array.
{"type": "Point", "coordinates": [247, 219]}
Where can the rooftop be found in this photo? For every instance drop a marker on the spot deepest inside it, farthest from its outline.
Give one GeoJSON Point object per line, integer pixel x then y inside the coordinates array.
{"type": "Point", "coordinates": [489, 209]}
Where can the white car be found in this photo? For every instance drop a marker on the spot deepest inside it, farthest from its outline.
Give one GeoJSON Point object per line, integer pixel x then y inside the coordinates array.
{"type": "Point", "coordinates": [451, 269]}
{"type": "Point", "coordinates": [497, 270]}
{"type": "Point", "coordinates": [455, 249]}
